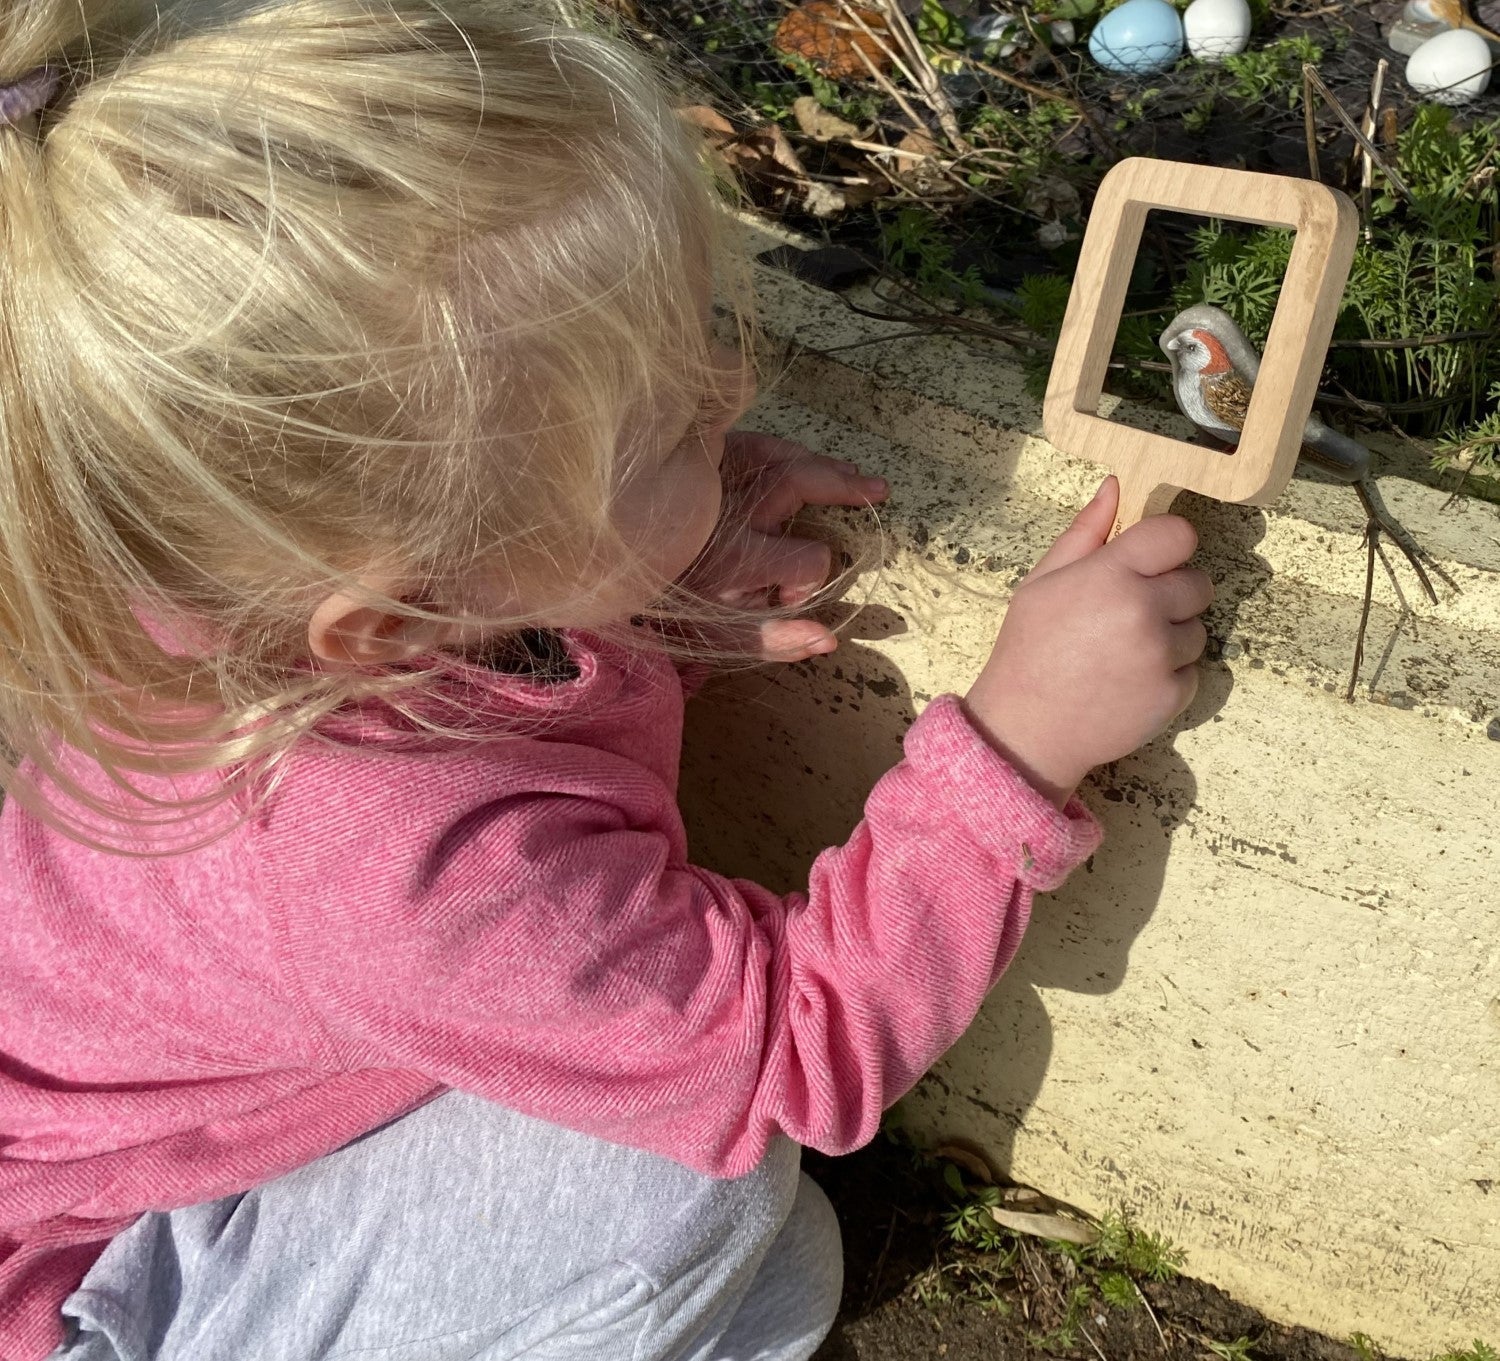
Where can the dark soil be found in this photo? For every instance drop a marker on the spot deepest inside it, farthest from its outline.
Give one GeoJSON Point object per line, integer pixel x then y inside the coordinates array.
{"type": "Point", "coordinates": [891, 1214]}
{"type": "Point", "coordinates": [1265, 133]}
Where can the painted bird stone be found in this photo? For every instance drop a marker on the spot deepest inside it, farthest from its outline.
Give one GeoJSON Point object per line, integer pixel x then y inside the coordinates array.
{"type": "Point", "coordinates": [1214, 368]}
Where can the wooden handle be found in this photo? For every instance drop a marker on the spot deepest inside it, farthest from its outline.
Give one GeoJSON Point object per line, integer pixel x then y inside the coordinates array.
{"type": "Point", "coordinates": [1138, 500]}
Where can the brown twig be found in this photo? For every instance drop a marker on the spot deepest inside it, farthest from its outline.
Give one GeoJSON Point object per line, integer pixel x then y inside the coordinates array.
{"type": "Point", "coordinates": [1141, 1295]}
{"type": "Point", "coordinates": [950, 321]}
{"type": "Point", "coordinates": [1310, 128]}
{"type": "Point", "coordinates": [1372, 537]}
{"type": "Point", "coordinates": [1416, 342]}
{"type": "Point", "coordinates": [926, 78]}
{"type": "Point", "coordinates": [1310, 73]}
{"type": "Point", "coordinates": [879, 77]}
{"type": "Point", "coordinates": [1413, 552]}
{"type": "Point", "coordinates": [1088, 1337]}
{"type": "Point", "coordinates": [1367, 164]}
{"type": "Point", "coordinates": [1407, 614]}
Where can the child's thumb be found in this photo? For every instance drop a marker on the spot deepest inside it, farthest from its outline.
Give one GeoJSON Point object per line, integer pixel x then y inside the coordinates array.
{"type": "Point", "coordinates": [1088, 532]}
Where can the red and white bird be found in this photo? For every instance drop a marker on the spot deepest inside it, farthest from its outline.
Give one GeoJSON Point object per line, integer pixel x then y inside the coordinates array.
{"type": "Point", "coordinates": [1214, 368]}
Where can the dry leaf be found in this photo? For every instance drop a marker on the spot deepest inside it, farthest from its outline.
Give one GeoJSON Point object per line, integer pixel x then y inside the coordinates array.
{"type": "Point", "coordinates": [970, 1161]}
{"type": "Point", "coordinates": [823, 200]}
{"type": "Point", "coordinates": [818, 123]}
{"type": "Point", "coordinates": [710, 120]}
{"type": "Point", "coordinates": [757, 151]}
{"type": "Point", "coordinates": [781, 150]}
{"type": "Point", "coordinates": [823, 33]}
{"type": "Point", "coordinates": [1054, 1227]}
{"type": "Point", "coordinates": [919, 143]}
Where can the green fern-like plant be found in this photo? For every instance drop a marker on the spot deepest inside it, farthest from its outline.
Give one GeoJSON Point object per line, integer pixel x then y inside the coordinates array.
{"type": "Point", "coordinates": [1480, 1351]}
{"type": "Point", "coordinates": [1272, 70]}
{"type": "Point", "coordinates": [1125, 1245]}
{"type": "Point", "coordinates": [1238, 1350]}
{"type": "Point", "coordinates": [915, 243]}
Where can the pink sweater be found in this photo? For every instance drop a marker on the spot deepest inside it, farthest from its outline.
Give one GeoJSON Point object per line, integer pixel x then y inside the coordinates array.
{"type": "Point", "coordinates": [517, 918]}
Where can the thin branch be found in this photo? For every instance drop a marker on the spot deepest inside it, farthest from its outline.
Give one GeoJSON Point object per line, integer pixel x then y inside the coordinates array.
{"type": "Point", "coordinates": [1372, 536]}
{"type": "Point", "coordinates": [927, 78]}
{"type": "Point", "coordinates": [857, 344]}
{"type": "Point", "coordinates": [1089, 1338]}
{"type": "Point", "coordinates": [1406, 614]}
{"type": "Point", "coordinates": [1367, 164]}
{"type": "Point", "coordinates": [1310, 73]}
{"type": "Point", "coordinates": [1416, 342]}
{"type": "Point", "coordinates": [1310, 129]}
{"type": "Point", "coordinates": [880, 148]}
{"type": "Point", "coordinates": [1141, 1295]}
{"type": "Point", "coordinates": [879, 76]}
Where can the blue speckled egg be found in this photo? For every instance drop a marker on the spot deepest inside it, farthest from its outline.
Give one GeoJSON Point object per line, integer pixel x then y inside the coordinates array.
{"type": "Point", "coordinates": [1138, 38]}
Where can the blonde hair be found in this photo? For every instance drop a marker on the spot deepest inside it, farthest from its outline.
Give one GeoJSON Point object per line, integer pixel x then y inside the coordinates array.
{"type": "Point", "coordinates": [290, 287]}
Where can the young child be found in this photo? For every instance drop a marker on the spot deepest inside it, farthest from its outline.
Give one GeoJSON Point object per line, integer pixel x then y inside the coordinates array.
{"type": "Point", "coordinates": [364, 463]}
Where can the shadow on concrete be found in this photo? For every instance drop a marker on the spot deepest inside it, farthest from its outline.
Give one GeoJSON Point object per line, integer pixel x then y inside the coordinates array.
{"type": "Point", "coordinates": [777, 766]}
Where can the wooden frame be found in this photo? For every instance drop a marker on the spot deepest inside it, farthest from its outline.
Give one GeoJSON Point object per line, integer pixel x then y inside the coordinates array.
{"type": "Point", "coordinates": [1153, 468]}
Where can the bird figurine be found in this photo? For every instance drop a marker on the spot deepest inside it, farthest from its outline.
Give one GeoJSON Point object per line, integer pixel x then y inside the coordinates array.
{"type": "Point", "coordinates": [1214, 368]}
{"type": "Point", "coordinates": [1423, 19]}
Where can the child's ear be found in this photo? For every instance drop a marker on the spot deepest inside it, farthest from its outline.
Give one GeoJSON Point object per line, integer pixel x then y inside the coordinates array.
{"type": "Point", "coordinates": [348, 629]}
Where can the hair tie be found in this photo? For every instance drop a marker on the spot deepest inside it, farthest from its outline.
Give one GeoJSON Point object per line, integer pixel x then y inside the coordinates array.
{"type": "Point", "coordinates": [22, 97]}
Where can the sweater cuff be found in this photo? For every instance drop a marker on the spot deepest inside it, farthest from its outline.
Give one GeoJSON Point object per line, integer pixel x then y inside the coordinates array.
{"type": "Point", "coordinates": [1001, 809]}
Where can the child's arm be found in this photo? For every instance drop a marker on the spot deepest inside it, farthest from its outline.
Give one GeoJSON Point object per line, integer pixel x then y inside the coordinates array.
{"type": "Point", "coordinates": [533, 932]}
{"type": "Point", "coordinates": [529, 929]}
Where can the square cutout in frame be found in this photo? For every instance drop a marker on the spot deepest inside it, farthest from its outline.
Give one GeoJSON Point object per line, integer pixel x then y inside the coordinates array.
{"type": "Point", "coordinates": [1153, 468]}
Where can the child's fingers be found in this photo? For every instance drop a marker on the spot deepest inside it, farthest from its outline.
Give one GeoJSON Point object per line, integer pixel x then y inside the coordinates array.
{"type": "Point", "coordinates": [747, 450]}
{"type": "Point", "coordinates": [1187, 678]}
{"type": "Point", "coordinates": [1088, 532]}
{"type": "Point", "coordinates": [1186, 642]}
{"type": "Point", "coordinates": [812, 481]}
{"type": "Point", "coordinates": [1158, 544]}
{"type": "Point", "coordinates": [749, 567]}
{"type": "Point", "coordinates": [796, 567]}
{"type": "Point", "coordinates": [1184, 594]}
{"type": "Point", "coordinates": [793, 640]}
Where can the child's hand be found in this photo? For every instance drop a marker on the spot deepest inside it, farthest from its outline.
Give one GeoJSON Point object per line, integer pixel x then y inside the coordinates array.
{"type": "Point", "coordinates": [753, 560]}
{"type": "Point", "coordinates": [1098, 650]}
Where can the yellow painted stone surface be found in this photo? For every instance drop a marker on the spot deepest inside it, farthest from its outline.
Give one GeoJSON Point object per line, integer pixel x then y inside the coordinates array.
{"type": "Point", "coordinates": [1266, 1017]}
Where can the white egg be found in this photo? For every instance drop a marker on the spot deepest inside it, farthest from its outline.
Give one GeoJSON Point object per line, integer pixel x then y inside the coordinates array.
{"type": "Point", "coordinates": [1216, 29]}
{"type": "Point", "coordinates": [1452, 68]}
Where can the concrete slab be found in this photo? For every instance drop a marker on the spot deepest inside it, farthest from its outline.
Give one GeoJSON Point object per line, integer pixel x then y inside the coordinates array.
{"type": "Point", "coordinates": [1266, 1017]}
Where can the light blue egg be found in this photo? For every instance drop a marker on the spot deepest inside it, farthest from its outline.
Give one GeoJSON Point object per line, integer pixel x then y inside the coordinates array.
{"type": "Point", "coordinates": [1138, 38]}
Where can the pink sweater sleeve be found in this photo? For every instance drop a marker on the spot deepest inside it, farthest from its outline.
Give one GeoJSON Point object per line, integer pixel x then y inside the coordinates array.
{"type": "Point", "coordinates": [531, 932]}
